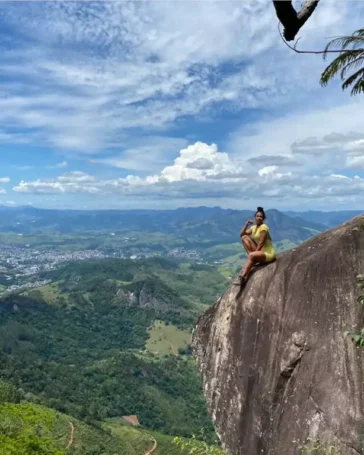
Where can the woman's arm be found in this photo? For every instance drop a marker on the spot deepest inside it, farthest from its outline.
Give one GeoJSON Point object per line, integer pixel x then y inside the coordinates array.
{"type": "Point", "coordinates": [245, 230]}
{"type": "Point", "coordinates": [262, 237]}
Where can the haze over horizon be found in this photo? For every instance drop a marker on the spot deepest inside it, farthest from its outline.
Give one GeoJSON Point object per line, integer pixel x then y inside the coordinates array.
{"type": "Point", "coordinates": [155, 105]}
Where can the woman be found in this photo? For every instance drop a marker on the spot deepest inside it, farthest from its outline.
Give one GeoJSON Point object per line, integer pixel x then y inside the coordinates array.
{"type": "Point", "coordinates": [259, 246]}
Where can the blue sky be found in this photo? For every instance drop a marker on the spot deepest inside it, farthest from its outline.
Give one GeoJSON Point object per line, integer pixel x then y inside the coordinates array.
{"type": "Point", "coordinates": [174, 103]}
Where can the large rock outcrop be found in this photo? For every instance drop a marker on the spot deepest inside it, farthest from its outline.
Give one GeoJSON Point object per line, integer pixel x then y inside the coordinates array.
{"type": "Point", "coordinates": [277, 370]}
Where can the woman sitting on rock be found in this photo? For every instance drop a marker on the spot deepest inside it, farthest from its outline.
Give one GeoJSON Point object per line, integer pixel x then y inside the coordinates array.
{"type": "Point", "coordinates": [259, 246]}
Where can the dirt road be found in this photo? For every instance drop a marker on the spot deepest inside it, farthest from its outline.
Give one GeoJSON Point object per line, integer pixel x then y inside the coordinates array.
{"type": "Point", "coordinates": [70, 442]}
{"type": "Point", "coordinates": [150, 451]}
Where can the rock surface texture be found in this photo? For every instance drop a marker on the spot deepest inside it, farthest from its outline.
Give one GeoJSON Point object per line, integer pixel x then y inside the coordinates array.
{"type": "Point", "coordinates": [277, 370]}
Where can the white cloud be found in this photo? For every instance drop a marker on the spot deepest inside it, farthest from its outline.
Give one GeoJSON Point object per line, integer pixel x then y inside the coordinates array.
{"type": "Point", "coordinates": [88, 72]}
{"type": "Point", "coordinates": [2, 191]}
{"type": "Point", "coordinates": [61, 165]}
{"type": "Point", "coordinates": [355, 162]}
{"type": "Point", "coordinates": [184, 167]}
{"type": "Point", "coordinates": [146, 153]}
{"type": "Point", "coordinates": [351, 142]}
{"type": "Point", "coordinates": [71, 182]}
{"type": "Point", "coordinates": [225, 181]}
{"type": "Point", "coordinates": [201, 164]}
{"type": "Point", "coordinates": [4, 180]}
{"type": "Point", "coordinates": [319, 142]}
{"type": "Point", "coordinates": [268, 170]}
{"type": "Point", "coordinates": [118, 80]}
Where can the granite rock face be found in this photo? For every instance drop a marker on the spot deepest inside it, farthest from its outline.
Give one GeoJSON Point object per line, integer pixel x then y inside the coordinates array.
{"type": "Point", "coordinates": [276, 368]}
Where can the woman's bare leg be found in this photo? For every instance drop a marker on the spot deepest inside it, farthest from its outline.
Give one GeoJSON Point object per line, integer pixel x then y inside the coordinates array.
{"type": "Point", "coordinates": [248, 244]}
{"type": "Point", "coordinates": [253, 258]}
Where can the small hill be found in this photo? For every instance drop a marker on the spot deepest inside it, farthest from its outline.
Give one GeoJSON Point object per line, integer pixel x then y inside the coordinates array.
{"type": "Point", "coordinates": [329, 219]}
{"type": "Point", "coordinates": [279, 375]}
{"type": "Point", "coordinates": [27, 429]}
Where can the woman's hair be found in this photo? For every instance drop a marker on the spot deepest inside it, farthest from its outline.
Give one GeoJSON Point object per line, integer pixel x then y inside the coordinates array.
{"type": "Point", "coordinates": [261, 210]}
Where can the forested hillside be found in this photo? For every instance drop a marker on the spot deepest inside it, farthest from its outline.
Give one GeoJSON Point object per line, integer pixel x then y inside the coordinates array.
{"type": "Point", "coordinates": [107, 338]}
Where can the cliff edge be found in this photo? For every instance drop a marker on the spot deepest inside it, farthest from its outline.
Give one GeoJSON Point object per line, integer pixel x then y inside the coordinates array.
{"type": "Point", "coordinates": [276, 368]}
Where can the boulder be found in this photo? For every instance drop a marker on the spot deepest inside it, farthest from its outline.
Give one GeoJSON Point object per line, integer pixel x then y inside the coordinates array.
{"type": "Point", "coordinates": [279, 375]}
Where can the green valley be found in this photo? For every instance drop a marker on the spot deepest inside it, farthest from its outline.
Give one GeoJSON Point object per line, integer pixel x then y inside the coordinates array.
{"type": "Point", "coordinates": [96, 315]}
{"type": "Point", "coordinates": [110, 338]}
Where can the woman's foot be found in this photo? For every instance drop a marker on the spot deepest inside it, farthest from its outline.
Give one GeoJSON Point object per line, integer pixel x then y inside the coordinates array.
{"type": "Point", "coordinates": [240, 280]}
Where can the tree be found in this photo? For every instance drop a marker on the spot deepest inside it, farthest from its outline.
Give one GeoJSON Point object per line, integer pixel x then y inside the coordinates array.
{"type": "Point", "coordinates": [194, 447]}
{"type": "Point", "coordinates": [292, 20]}
{"type": "Point", "coordinates": [351, 59]}
{"type": "Point", "coordinates": [198, 446]}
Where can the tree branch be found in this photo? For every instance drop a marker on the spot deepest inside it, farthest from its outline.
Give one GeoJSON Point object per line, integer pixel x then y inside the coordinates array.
{"type": "Point", "coordinates": [292, 20]}
{"type": "Point", "coordinates": [329, 51]}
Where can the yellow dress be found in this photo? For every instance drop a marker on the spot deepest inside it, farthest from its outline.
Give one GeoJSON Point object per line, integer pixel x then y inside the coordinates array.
{"type": "Point", "coordinates": [268, 248]}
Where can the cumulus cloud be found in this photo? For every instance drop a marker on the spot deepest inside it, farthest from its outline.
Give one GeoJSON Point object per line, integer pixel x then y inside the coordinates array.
{"type": "Point", "coordinates": [224, 180]}
{"type": "Point", "coordinates": [345, 150]}
{"type": "Point", "coordinates": [197, 162]}
{"type": "Point", "coordinates": [350, 142]}
{"type": "Point", "coordinates": [201, 164]}
{"type": "Point", "coordinates": [72, 182]}
{"type": "Point", "coordinates": [275, 160]}
{"type": "Point", "coordinates": [177, 178]}
{"type": "Point", "coordinates": [4, 180]}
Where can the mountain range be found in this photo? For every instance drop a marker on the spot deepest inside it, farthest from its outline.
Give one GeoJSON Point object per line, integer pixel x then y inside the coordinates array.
{"type": "Point", "coordinates": [193, 223]}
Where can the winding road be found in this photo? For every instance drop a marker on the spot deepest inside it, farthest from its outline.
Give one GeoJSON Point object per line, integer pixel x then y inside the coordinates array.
{"type": "Point", "coordinates": [150, 451]}
{"type": "Point", "coordinates": [70, 442]}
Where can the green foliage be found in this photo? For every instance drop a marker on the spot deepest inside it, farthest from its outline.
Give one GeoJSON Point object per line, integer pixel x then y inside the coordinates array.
{"type": "Point", "coordinates": [25, 430]}
{"type": "Point", "coordinates": [358, 336]}
{"type": "Point", "coordinates": [316, 446]}
{"type": "Point", "coordinates": [8, 393]}
{"type": "Point", "coordinates": [194, 446]}
{"type": "Point", "coordinates": [85, 355]}
{"type": "Point", "coordinates": [349, 61]}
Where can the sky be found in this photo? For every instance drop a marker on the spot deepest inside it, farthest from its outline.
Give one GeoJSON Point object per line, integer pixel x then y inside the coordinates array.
{"type": "Point", "coordinates": [164, 104]}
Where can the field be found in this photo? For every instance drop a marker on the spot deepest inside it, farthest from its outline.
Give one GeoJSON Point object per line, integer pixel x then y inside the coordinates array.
{"type": "Point", "coordinates": [26, 427]}
{"type": "Point", "coordinates": [167, 339]}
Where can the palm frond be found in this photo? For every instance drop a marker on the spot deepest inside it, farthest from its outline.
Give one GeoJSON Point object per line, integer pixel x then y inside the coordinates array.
{"type": "Point", "coordinates": [338, 64]}
{"type": "Point", "coordinates": [351, 58]}
{"type": "Point", "coordinates": [359, 84]}
{"type": "Point", "coordinates": [356, 40]}
{"type": "Point", "coordinates": [352, 65]}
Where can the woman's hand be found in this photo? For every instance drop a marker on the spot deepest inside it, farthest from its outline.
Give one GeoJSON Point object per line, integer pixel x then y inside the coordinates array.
{"type": "Point", "coordinates": [245, 230]}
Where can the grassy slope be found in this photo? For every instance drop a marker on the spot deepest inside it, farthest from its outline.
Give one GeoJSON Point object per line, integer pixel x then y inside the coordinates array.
{"type": "Point", "coordinates": [54, 429]}
{"type": "Point", "coordinates": [166, 339]}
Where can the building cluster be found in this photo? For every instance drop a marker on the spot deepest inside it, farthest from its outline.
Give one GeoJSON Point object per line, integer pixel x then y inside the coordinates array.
{"type": "Point", "coordinates": [19, 265]}
{"type": "Point", "coordinates": [22, 287]}
{"type": "Point", "coordinates": [182, 252]}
